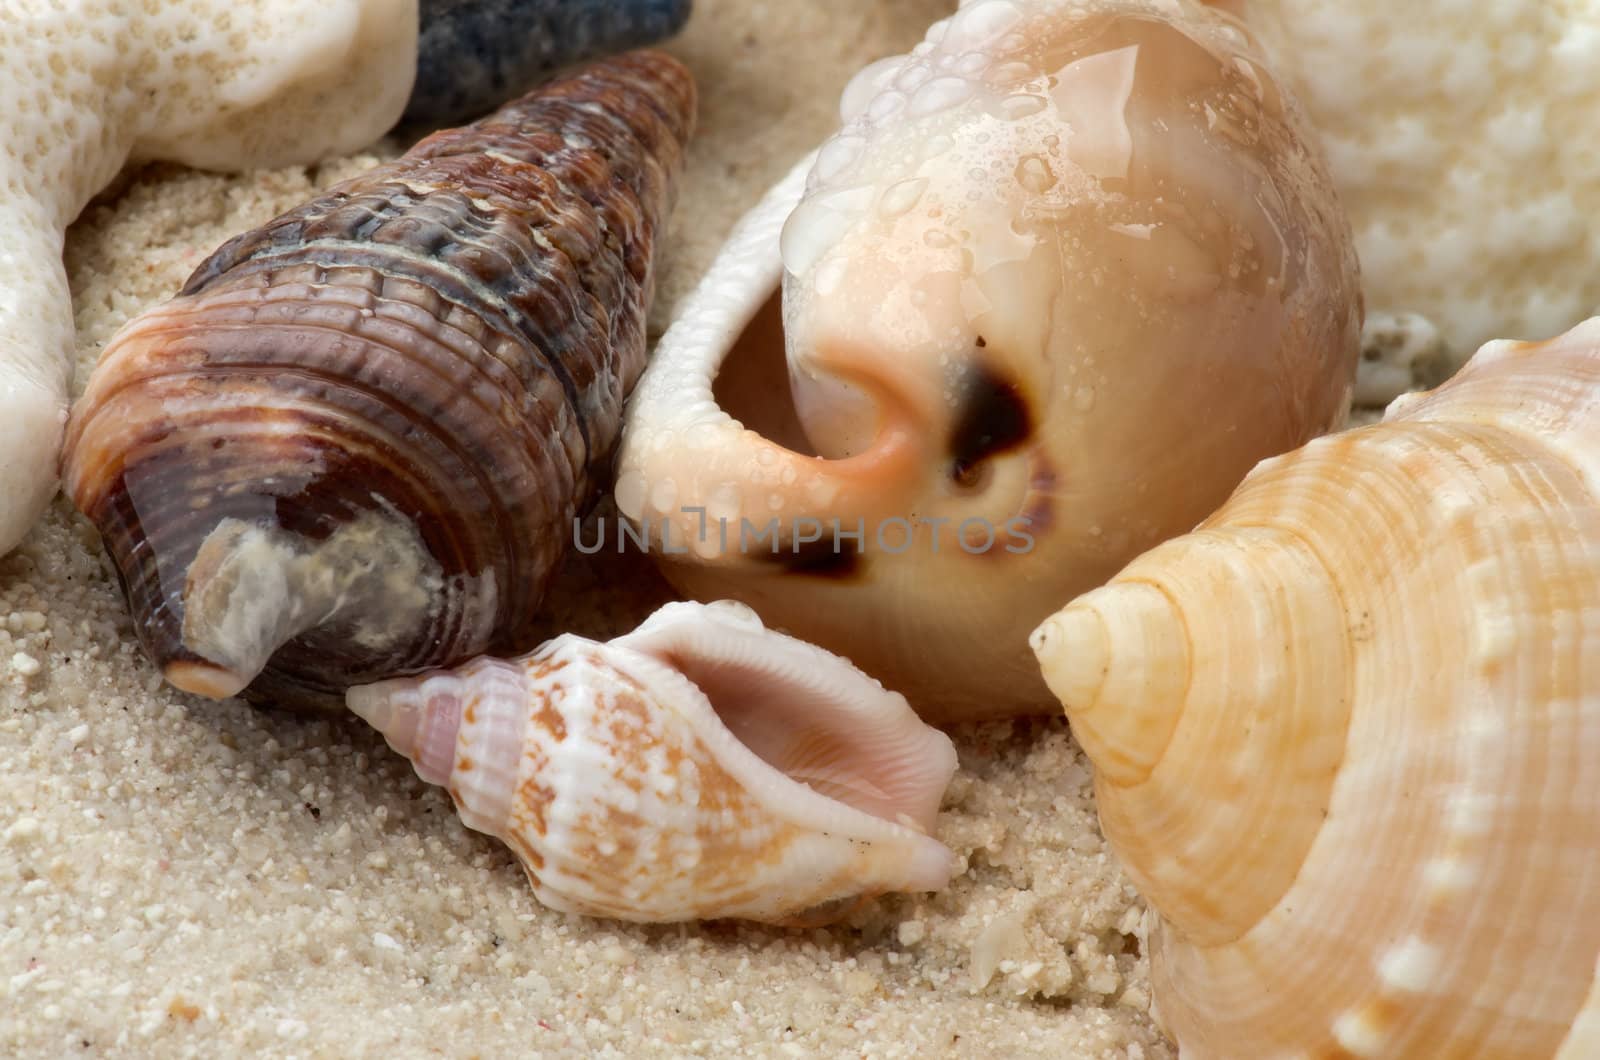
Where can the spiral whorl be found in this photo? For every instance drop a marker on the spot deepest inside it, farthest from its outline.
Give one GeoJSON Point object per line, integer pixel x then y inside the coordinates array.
{"type": "Point", "coordinates": [354, 443]}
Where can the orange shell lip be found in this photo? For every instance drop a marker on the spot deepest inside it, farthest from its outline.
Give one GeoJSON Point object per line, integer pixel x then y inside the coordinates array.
{"type": "Point", "coordinates": [204, 679]}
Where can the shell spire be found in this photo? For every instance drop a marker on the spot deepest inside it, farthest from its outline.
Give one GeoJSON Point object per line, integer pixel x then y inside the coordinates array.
{"type": "Point", "coordinates": [701, 766]}
{"type": "Point", "coordinates": [353, 445]}
{"type": "Point", "coordinates": [1347, 732]}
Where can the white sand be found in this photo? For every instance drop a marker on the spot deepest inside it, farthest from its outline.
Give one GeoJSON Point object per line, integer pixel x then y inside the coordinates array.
{"type": "Point", "coordinates": [187, 878]}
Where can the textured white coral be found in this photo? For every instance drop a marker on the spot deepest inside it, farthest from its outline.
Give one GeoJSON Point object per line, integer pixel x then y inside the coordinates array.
{"type": "Point", "coordinates": [1460, 133]}
{"type": "Point", "coordinates": [87, 85]}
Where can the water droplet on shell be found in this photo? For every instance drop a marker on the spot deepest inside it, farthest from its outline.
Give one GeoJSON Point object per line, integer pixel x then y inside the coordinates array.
{"type": "Point", "coordinates": [865, 85]}
{"type": "Point", "coordinates": [630, 491]}
{"type": "Point", "coordinates": [818, 223]}
{"type": "Point", "coordinates": [900, 198]}
{"type": "Point", "coordinates": [972, 64]}
{"type": "Point", "coordinates": [1033, 172]}
{"type": "Point", "coordinates": [912, 76]}
{"type": "Point", "coordinates": [886, 106]}
{"type": "Point", "coordinates": [829, 275]}
{"type": "Point", "coordinates": [837, 156]}
{"type": "Point", "coordinates": [1019, 106]}
{"type": "Point", "coordinates": [941, 93]}
{"type": "Point", "coordinates": [664, 494]}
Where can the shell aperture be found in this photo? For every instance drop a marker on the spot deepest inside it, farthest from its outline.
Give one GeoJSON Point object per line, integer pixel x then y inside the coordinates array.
{"type": "Point", "coordinates": [701, 766]}
{"type": "Point", "coordinates": [353, 445]}
{"type": "Point", "coordinates": [1347, 733]}
{"type": "Point", "coordinates": [1066, 273]}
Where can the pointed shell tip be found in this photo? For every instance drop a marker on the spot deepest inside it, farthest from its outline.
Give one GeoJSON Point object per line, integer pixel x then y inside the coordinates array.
{"type": "Point", "coordinates": [1071, 648]}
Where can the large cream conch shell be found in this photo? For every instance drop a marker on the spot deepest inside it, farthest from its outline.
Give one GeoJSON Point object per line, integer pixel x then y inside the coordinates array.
{"type": "Point", "coordinates": [1067, 273]}
{"type": "Point", "coordinates": [701, 766]}
{"type": "Point", "coordinates": [1347, 733]}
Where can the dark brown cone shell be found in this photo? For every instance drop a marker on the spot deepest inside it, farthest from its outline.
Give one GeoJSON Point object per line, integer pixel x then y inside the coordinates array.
{"type": "Point", "coordinates": [448, 338]}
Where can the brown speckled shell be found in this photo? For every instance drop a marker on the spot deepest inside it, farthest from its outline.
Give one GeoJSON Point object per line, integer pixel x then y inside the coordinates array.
{"type": "Point", "coordinates": [447, 339]}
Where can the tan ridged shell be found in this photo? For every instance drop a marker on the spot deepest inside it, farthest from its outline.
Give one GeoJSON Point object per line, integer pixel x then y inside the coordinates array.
{"type": "Point", "coordinates": [1069, 270]}
{"type": "Point", "coordinates": [701, 766]}
{"type": "Point", "coordinates": [1347, 733]}
{"type": "Point", "coordinates": [354, 445]}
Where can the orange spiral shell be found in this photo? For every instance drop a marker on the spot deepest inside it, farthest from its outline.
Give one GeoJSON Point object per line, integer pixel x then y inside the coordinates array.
{"type": "Point", "coordinates": [352, 446]}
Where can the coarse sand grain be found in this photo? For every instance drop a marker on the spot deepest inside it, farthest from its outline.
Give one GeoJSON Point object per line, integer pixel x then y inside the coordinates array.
{"type": "Point", "coordinates": [186, 878]}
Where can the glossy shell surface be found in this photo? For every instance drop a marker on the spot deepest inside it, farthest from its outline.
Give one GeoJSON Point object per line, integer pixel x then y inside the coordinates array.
{"type": "Point", "coordinates": [701, 766]}
{"type": "Point", "coordinates": [1066, 273]}
{"type": "Point", "coordinates": [354, 445]}
{"type": "Point", "coordinates": [1347, 733]}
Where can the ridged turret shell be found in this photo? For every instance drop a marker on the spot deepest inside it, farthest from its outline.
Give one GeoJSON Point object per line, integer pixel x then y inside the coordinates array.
{"type": "Point", "coordinates": [1347, 733]}
{"type": "Point", "coordinates": [354, 445]}
{"type": "Point", "coordinates": [1069, 270]}
{"type": "Point", "coordinates": [699, 767]}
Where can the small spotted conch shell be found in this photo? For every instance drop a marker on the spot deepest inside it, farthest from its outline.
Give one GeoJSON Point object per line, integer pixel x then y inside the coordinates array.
{"type": "Point", "coordinates": [355, 444]}
{"type": "Point", "coordinates": [1347, 733]}
{"type": "Point", "coordinates": [701, 766]}
{"type": "Point", "coordinates": [1069, 270]}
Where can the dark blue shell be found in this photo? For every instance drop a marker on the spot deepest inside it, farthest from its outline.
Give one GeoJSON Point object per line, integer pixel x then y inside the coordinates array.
{"type": "Point", "coordinates": [474, 55]}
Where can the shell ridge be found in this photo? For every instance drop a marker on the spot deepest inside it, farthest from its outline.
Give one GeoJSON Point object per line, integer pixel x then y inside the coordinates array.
{"type": "Point", "coordinates": [1442, 905]}
{"type": "Point", "coordinates": [449, 281]}
{"type": "Point", "coordinates": [462, 312]}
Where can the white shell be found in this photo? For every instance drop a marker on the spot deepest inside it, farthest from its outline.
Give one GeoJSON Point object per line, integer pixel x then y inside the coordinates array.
{"type": "Point", "coordinates": [1068, 272]}
{"type": "Point", "coordinates": [1347, 733]}
{"type": "Point", "coordinates": [701, 766]}
{"type": "Point", "coordinates": [89, 85]}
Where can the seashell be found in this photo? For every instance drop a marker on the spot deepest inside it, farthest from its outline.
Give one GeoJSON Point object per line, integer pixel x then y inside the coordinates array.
{"type": "Point", "coordinates": [353, 445]}
{"type": "Point", "coordinates": [699, 767]}
{"type": "Point", "coordinates": [1459, 147]}
{"type": "Point", "coordinates": [1065, 275]}
{"type": "Point", "coordinates": [1347, 733]}
{"type": "Point", "coordinates": [89, 86]}
{"type": "Point", "coordinates": [474, 54]}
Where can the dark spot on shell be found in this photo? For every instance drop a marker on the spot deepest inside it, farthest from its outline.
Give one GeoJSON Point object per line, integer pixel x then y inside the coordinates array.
{"type": "Point", "coordinates": [823, 558]}
{"type": "Point", "coordinates": [532, 802]}
{"type": "Point", "coordinates": [548, 716]}
{"type": "Point", "coordinates": [994, 417]}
